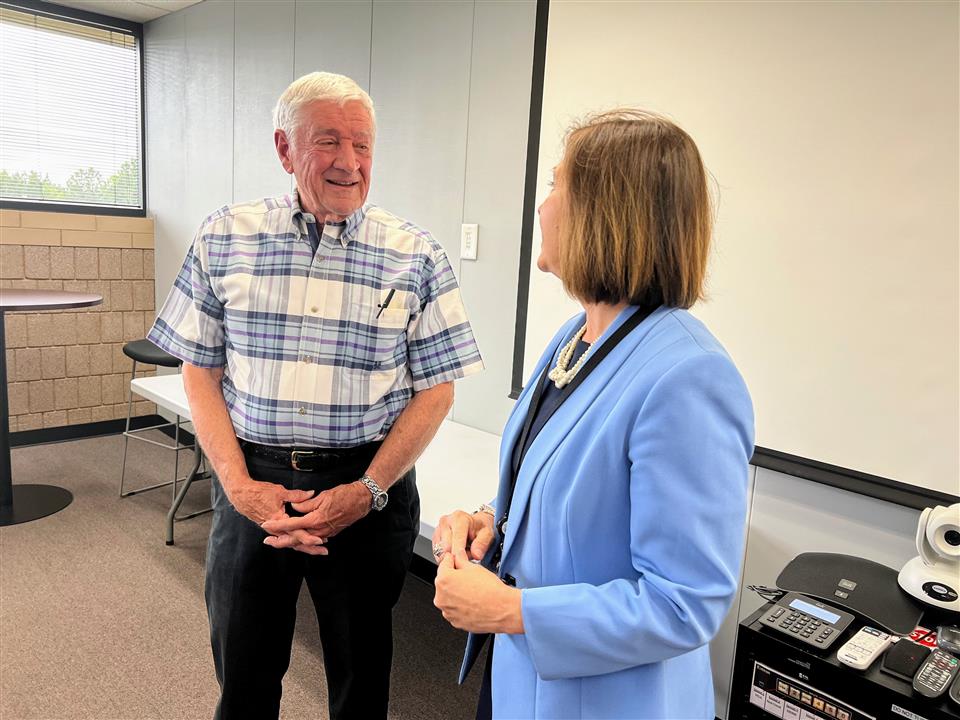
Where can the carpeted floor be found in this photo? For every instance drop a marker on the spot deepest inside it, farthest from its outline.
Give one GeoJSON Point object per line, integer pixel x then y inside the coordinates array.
{"type": "Point", "coordinates": [100, 619]}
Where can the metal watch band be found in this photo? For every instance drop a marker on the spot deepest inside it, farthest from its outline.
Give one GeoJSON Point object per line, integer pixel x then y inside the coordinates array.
{"type": "Point", "coordinates": [379, 500]}
{"type": "Point", "coordinates": [487, 509]}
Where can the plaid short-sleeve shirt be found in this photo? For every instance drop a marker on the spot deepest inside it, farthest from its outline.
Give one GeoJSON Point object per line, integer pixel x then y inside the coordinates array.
{"type": "Point", "coordinates": [313, 353]}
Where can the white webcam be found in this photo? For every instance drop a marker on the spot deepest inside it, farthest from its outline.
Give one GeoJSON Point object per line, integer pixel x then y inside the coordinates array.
{"type": "Point", "coordinates": [934, 576]}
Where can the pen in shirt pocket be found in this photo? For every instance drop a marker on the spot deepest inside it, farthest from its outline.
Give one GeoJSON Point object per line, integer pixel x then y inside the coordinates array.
{"type": "Point", "coordinates": [386, 302]}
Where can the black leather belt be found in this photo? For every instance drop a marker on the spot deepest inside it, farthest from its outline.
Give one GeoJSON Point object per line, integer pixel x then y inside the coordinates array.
{"type": "Point", "coordinates": [310, 459]}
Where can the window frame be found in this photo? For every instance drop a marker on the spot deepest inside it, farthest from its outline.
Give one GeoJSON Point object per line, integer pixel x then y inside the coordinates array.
{"type": "Point", "coordinates": [84, 17]}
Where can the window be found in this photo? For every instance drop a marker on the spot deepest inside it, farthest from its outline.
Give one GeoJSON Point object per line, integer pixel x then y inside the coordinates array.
{"type": "Point", "coordinates": [70, 111]}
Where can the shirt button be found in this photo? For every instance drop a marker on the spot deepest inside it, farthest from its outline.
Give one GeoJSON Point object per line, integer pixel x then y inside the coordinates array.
{"type": "Point", "coordinates": [314, 309]}
{"type": "Point", "coordinates": [320, 258]}
{"type": "Point", "coordinates": [307, 359]}
{"type": "Point", "coordinates": [302, 411]}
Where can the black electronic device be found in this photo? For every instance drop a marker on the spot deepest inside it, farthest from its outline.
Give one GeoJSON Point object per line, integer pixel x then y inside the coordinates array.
{"type": "Point", "coordinates": [860, 586]}
{"type": "Point", "coordinates": [904, 659]}
{"type": "Point", "coordinates": [935, 675]}
{"type": "Point", "coordinates": [808, 620]}
{"type": "Point", "coordinates": [777, 675]}
{"type": "Point", "coordinates": [955, 690]}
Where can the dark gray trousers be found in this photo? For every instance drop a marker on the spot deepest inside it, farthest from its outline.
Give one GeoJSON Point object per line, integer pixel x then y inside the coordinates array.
{"type": "Point", "coordinates": [252, 590]}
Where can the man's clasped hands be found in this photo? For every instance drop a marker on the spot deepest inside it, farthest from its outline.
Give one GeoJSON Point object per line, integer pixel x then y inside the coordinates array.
{"type": "Point", "coordinates": [322, 516]}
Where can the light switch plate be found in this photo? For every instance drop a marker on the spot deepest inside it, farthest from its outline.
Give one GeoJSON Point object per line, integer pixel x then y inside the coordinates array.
{"type": "Point", "coordinates": [469, 239]}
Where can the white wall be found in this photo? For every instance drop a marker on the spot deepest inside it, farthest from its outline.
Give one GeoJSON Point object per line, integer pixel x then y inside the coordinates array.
{"type": "Point", "coordinates": [831, 130]}
{"type": "Point", "coordinates": [450, 81]}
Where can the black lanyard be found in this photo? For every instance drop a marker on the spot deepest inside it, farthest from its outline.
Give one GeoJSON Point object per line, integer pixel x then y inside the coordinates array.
{"type": "Point", "coordinates": [641, 314]}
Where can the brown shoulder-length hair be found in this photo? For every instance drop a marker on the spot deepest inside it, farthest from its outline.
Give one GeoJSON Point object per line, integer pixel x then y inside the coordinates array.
{"type": "Point", "coordinates": [637, 217]}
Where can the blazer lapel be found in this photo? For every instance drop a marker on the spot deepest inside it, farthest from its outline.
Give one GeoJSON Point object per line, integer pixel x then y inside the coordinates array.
{"type": "Point", "coordinates": [511, 434]}
{"type": "Point", "coordinates": [514, 429]}
{"type": "Point", "coordinates": [573, 408]}
{"type": "Point", "coordinates": [475, 643]}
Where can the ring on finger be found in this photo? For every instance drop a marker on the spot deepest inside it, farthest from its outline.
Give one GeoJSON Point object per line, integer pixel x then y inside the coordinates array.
{"type": "Point", "coordinates": [438, 551]}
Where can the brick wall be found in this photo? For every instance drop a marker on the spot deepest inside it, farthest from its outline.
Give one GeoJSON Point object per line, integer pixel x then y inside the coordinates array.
{"type": "Point", "coordinates": [67, 367]}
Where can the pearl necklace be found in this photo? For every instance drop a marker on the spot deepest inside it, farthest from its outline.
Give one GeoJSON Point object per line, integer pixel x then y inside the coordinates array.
{"type": "Point", "coordinates": [560, 375]}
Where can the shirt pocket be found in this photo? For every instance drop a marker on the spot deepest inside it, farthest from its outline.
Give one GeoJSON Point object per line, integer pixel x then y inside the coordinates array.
{"type": "Point", "coordinates": [382, 338]}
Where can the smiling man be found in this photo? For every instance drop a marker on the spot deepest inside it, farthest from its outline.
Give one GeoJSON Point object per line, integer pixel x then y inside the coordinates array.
{"type": "Point", "coordinates": [320, 339]}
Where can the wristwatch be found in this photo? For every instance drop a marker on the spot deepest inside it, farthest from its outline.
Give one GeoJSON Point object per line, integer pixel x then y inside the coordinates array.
{"type": "Point", "coordinates": [379, 500]}
{"type": "Point", "coordinates": [486, 509]}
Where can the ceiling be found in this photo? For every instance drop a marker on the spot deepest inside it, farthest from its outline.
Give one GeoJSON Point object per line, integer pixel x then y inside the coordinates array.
{"type": "Point", "coordinates": [137, 10]}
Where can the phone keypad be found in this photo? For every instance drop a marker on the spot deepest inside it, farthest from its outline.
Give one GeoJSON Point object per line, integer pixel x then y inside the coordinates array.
{"type": "Point", "coordinates": [868, 640]}
{"type": "Point", "coordinates": [815, 624]}
{"type": "Point", "coordinates": [802, 625]}
{"type": "Point", "coordinates": [806, 628]}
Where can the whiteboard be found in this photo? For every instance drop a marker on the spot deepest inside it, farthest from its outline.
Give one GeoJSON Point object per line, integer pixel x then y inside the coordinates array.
{"type": "Point", "coordinates": [831, 132]}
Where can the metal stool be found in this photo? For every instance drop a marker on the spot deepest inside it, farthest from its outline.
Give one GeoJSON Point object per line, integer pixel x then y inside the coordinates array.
{"type": "Point", "coordinates": [144, 351]}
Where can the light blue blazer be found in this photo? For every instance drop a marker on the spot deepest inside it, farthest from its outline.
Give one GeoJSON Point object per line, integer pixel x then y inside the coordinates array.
{"type": "Point", "coordinates": [626, 530]}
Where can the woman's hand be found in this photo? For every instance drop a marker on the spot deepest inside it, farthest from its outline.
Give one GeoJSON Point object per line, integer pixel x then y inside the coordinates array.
{"type": "Point", "coordinates": [474, 599]}
{"type": "Point", "coordinates": [462, 532]}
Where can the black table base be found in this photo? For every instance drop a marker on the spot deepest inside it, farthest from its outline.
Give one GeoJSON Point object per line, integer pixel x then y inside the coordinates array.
{"type": "Point", "coordinates": [32, 502]}
{"type": "Point", "coordinates": [23, 503]}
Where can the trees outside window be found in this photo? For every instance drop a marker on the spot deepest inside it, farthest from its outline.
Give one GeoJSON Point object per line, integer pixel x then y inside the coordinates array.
{"type": "Point", "coordinates": [70, 110]}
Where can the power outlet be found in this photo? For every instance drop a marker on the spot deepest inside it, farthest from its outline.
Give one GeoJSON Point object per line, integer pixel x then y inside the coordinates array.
{"type": "Point", "coordinates": [469, 239]}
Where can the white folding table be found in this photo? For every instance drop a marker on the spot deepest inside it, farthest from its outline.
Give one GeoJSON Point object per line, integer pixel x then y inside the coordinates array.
{"type": "Point", "coordinates": [168, 393]}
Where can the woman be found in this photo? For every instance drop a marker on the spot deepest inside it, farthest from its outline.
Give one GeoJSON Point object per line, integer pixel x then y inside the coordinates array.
{"type": "Point", "coordinates": [613, 551]}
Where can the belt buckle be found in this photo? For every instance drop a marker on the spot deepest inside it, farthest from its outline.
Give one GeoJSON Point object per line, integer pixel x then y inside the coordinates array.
{"type": "Point", "coordinates": [294, 458]}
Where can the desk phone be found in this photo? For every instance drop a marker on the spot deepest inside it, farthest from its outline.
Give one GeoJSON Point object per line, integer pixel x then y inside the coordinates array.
{"type": "Point", "coordinates": [809, 621]}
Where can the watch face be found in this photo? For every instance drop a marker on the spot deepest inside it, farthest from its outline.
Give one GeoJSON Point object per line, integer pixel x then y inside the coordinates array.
{"type": "Point", "coordinates": [380, 501]}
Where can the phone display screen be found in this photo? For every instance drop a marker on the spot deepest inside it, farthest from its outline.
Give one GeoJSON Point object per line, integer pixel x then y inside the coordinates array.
{"type": "Point", "coordinates": [809, 609]}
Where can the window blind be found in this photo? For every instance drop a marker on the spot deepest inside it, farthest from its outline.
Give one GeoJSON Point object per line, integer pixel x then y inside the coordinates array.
{"type": "Point", "coordinates": [70, 129]}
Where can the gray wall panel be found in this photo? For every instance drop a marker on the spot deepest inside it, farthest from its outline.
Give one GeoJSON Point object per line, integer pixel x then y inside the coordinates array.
{"type": "Point", "coordinates": [496, 164]}
{"type": "Point", "coordinates": [263, 62]}
{"type": "Point", "coordinates": [333, 37]}
{"type": "Point", "coordinates": [190, 77]}
{"type": "Point", "coordinates": [209, 109]}
{"type": "Point", "coordinates": [164, 53]}
{"type": "Point", "coordinates": [420, 81]}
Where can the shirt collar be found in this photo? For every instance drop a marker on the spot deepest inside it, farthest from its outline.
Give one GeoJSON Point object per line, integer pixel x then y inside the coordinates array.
{"type": "Point", "coordinates": [346, 234]}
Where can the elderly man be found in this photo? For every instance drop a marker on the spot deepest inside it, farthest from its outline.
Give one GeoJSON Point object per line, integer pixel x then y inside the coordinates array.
{"type": "Point", "coordinates": [320, 339]}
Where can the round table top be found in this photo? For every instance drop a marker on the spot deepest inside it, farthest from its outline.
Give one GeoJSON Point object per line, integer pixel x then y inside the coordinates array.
{"type": "Point", "coordinates": [11, 299]}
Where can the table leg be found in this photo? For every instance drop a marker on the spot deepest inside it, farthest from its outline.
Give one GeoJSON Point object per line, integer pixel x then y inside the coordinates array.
{"type": "Point", "coordinates": [187, 482]}
{"type": "Point", "coordinates": [20, 503]}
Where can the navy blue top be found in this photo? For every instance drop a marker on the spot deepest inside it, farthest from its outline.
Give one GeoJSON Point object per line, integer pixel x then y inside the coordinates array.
{"type": "Point", "coordinates": [549, 401]}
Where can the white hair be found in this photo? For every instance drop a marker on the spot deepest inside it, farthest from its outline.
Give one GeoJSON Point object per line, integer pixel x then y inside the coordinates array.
{"type": "Point", "coordinates": [317, 86]}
